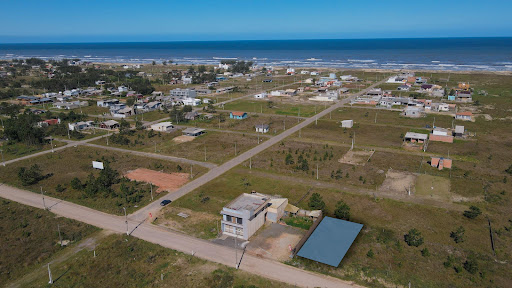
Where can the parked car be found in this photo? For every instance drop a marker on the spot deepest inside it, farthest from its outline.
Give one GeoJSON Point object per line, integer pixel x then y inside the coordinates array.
{"type": "Point", "coordinates": [165, 202]}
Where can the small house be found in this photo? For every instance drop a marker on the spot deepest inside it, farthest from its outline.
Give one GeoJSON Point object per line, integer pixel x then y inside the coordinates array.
{"type": "Point", "coordinates": [191, 115]}
{"type": "Point", "coordinates": [77, 126]}
{"type": "Point", "coordinates": [263, 128]}
{"type": "Point", "coordinates": [347, 123]}
{"type": "Point", "coordinates": [413, 112]}
{"type": "Point", "coordinates": [441, 163]}
{"type": "Point", "coordinates": [441, 135]}
{"type": "Point", "coordinates": [459, 131]}
{"type": "Point", "coordinates": [415, 137]}
{"type": "Point", "coordinates": [163, 127]}
{"type": "Point", "coordinates": [276, 209]}
{"type": "Point", "coordinates": [193, 132]}
{"type": "Point", "coordinates": [243, 216]}
{"type": "Point", "coordinates": [464, 116]}
{"type": "Point", "coordinates": [110, 124]}
{"type": "Point", "coordinates": [237, 115]}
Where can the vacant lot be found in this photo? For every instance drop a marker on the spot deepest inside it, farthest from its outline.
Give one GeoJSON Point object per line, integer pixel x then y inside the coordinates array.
{"type": "Point", "coordinates": [30, 237]}
{"type": "Point", "coordinates": [61, 167]}
{"type": "Point", "coordinates": [129, 262]}
{"type": "Point", "coordinates": [219, 146]}
{"type": "Point", "coordinates": [386, 221]}
{"type": "Point", "coordinates": [17, 150]}
{"type": "Point", "coordinates": [275, 105]}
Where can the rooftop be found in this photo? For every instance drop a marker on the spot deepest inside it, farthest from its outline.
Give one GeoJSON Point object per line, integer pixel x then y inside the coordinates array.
{"type": "Point", "coordinates": [249, 202]}
{"type": "Point", "coordinates": [415, 135]}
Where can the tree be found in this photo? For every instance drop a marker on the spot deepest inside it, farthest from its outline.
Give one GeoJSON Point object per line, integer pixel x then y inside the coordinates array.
{"type": "Point", "coordinates": [370, 253]}
{"type": "Point", "coordinates": [316, 202]}
{"type": "Point", "coordinates": [425, 252]}
{"type": "Point", "coordinates": [30, 176]}
{"type": "Point", "coordinates": [413, 238]}
{"type": "Point", "coordinates": [458, 235]}
{"type": "Point", "coordinates": [153, 63]}
{"type": "Point", "coordinates": [130, 101]}
{"type": "Point", "coordinates": [187, 108]}
{"type": "Point", "coordinates": [124, 125]}
{"type": "Point", "coordinates": [509, 169]}
{"type": "Point", "coordinates": [289, 159]}
{"type": "Point", "coordinates": [473, 212]}
{"type": "Point", "coordinates": [342, 210]}
{"type": "Point", "coordinates": [76, 184]}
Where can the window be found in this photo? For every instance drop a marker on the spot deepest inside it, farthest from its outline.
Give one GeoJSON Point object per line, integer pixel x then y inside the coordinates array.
{"type": "Point", "coordinates": [239, 220]}
{"type": "Point", "coordinates": [228, 218]}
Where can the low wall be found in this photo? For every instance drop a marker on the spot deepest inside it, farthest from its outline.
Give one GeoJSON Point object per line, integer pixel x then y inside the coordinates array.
{"type": "Point", "coordinates": [306, 237]}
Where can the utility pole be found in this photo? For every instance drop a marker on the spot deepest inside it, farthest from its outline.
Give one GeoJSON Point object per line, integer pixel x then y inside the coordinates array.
{"type": "Point", "coordinates": [126, 221]}
{"type": "Point", "coordinates": [191, 173]}
{"type": "Point", "coordinates": [42, 195]}
{"type": "Point", "coordinates": [236, 249]}
{"type": "Point", "coordinates": [235, 148]}
{"type": "Point", "coordinates": [250, 163]}
{"type": "Point", "coordinates": [151, 189]}
{"type": "Point", "coordinates": [107, 136]}
{"type": "Point", "coordinates": [60, 237]}
{"type": "Point", "coordinates": [376, 117]}
{"type": "Point", "coordinates": [316, 171]}
{"type": "Point", "coordinates": [2, 152]}
{"type": "Point", "coordinates": [205, 151]}
{"type": "Point", "coordinates": [50, 275]}
{"type": "Point", "coordinates": [51, 143]}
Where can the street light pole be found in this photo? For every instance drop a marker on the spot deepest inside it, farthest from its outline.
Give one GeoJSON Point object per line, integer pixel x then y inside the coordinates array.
{"type": "Point", "coordinates": [60, 237]}
{"type": "Point", "coordinates": [126, 221]}
{"type": "Point", "coordinates": [151, 188]}
{"type": "Point", "coordinates": [51, 143]}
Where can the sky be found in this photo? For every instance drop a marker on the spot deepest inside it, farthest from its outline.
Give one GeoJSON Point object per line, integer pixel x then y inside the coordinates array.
{"type": "Point", "coordinates": [59, 21]}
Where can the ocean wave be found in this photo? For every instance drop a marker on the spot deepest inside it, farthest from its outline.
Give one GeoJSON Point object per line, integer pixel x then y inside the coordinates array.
{"type": "Point", "coordinates": [363, 61]}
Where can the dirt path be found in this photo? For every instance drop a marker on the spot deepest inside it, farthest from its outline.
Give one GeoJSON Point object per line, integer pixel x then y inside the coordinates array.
{"type": "Point", "coordinates": [41, 272]}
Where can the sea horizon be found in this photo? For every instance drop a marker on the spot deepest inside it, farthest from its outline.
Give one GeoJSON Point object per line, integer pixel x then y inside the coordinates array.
{"type": "Point", "coordinates": [443, 53]}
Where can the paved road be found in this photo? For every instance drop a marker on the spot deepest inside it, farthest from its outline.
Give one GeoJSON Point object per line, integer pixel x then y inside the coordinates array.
{"type": "Point", "coordinates": [177, 241]}
{"type": "Point", "coordinates": [221, 169]}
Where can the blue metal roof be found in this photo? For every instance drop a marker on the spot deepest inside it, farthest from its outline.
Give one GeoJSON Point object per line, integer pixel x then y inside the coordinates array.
{"type": "Point", "coordinates": [330, 241]}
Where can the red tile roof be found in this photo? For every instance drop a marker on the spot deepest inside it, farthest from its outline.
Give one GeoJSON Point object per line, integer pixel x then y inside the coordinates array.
{"type": "Point", "coordinates": [237, 113]}
{"type": "Point", "coordinates": [467, 113]}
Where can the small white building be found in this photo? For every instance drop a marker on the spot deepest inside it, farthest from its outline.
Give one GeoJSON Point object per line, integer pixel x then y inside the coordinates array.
{"type": "Point", "coordinates": [77, 126]}
{"type": "Point", "coordinates": [304, 72]}
{"type": "Point", "coordinates": [276, 209]}
{"type": "Point", "coordinates": [163, 127]}
{"type": "Point", "coordinates": [262, 128]}
{"type": "Point", "coordinates": [262, 95]}
{"type": "Point", "coordinates": [347, 123]}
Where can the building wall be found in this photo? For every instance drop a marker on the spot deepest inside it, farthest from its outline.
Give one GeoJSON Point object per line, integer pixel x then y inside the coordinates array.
{"type": "Point", "coordinates": [250, 227]}
{"type": "Point", "coordinates": [441, 138]}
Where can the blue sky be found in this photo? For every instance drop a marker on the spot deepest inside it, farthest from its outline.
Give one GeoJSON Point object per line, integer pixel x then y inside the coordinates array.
{"type": "Point", "coordinates": [150, 20]}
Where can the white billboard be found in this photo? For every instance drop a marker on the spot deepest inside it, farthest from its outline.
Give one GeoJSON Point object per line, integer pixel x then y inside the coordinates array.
{"type": "Point", "coordinates": [97, 165]}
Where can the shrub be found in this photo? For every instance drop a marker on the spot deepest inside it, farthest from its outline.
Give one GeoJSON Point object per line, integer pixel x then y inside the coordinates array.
{"type": "Point", "coordinates": [425, 252]}
{"type": "Point", "coordinates": [370, 253]}
{"type": "Point", "coordinates": [458, 235]}
{"type": "Point", "coordinates": [30, 176]}
{"type": "Point", "coordinates": [342, 210]}
{"type": "Point", "coordinates": [471, 266]}
{"type": "Point", "coordinates": [473, 212]}
{"type": "Point", "coordinates": [316, 202]}
{"type": "Point", "coordinates": [413, 238]}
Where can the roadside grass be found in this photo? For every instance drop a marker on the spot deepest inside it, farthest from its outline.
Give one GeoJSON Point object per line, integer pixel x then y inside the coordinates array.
{"type": "Point", "coordinates": [386, 221]}
{"type": "Point", "coordinates": [130, 262]}
{"type": "Point", "coordinates": [91, 110]}
{"type": "Point", "coordinates": [150, 116]}
{"type": "Point", "coordinates": [30, 237]}
{"type": "Point", "coordinates": [220, 146]}
{"type": "Point", "coordinates": [64, 165]}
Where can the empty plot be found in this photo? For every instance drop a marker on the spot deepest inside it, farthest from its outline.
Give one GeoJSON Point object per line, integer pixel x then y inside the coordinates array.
{"type": "Point", "coordinates": [165, 181]}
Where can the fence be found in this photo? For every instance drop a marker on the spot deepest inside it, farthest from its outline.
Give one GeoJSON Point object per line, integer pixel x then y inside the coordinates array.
{"type": "Point", "coordinates": [306, 237]}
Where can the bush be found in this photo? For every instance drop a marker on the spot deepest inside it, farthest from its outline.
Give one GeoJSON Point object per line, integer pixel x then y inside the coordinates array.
{"type": "Point", "coordinates": [413, 238]}
{"type": "Point", "coordinates": [425, 252]}
{"type": "Point", "coordinates": [473, 212]}
{"type": "Point", "coordinates": [471, 266]}
{"type": "Point", "coordinates": [458, 235]}
{"type": "Point", "coordinates": [76, 184]}
{"type": "Point", "coordinates": [370, 253]}
{"type": "Point", "coordinates": [60, 188]}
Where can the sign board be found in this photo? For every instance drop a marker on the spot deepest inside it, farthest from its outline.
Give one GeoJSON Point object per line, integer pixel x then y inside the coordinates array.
{"type": "Point", "coordinates": [97, 165]}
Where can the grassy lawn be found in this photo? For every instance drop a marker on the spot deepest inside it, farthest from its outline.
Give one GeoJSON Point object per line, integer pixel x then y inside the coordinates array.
{"type": "Point", "coordinates": [64, 165]}
{"type": "Point", "coordinates": [17, 150]}
{"type": "Point", "coordinates": [30, 237]}
{"type": "Point", "coordinates": [150, 116]}
{"type": "Point", "coordinates": [130, 262]}
{"type": "Point", "coordinates": [220, 146]}
{"type": "Point", "coordinates": [386, 221]}
{"type": "Point", "coordinates": [89, 110]}
{"type": "Point", "coordinates": [299, 222]}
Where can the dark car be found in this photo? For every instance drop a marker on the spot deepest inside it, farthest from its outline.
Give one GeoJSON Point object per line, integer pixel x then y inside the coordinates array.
{"type": "Point", "coordinates": [165, 202]}
{"type": "Point", "coordinates": [267, 80]}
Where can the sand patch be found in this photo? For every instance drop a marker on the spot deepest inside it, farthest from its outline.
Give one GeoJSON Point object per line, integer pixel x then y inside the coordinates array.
{"type": "Point", "coordinates": [165, 181]}
{"type": "Point", "coordinates": [357, 157]}
{"type": "Point", "coordinates": [183, 139]}
{"type": "Point", "coordinates": [398, 182]}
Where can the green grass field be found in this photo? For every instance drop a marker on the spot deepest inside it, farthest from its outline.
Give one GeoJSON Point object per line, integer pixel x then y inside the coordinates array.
{"type": "Point", "coordinates": [30, 237]}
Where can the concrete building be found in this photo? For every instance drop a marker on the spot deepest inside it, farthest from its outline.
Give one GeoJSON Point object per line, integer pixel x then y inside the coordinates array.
{"type": "Point", "coordinates": [163, 127]}
{"type": "Point", "coordinates": [413, 112]}
{"type": "Point", "coordinates": [415, 137]}
{"type": "Point", "coordinates": [276, 209]}
{"type": "Point", "coordinates": [441, 163]}
{"type": "Point", "coordinates": [186, 93]}
{"type": "Point", "coordinates": [459, 131]}
{"type": "Point", "coordinates": [80, 125]}
{"type": "Point", "coordinates": [465, 116]}
{"type": "Point", "coordinates": [243, 216]}
{"type": "Point", "coordinates": [347, 123]}
{"type": "Point", "coordinates": [441, 135]}
{"type": "Point", "coordinates": [109, 124]}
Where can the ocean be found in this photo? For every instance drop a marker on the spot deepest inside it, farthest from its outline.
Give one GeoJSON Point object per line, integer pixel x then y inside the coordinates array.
{"type": "Point", "coordinates": [474, 54]}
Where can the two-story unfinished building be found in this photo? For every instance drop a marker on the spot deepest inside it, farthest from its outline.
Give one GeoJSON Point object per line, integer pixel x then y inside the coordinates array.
{"type": "Point", "coordinates": [243, 216]}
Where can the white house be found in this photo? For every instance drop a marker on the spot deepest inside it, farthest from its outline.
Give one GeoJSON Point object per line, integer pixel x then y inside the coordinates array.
{"type": "Point", "coordinates": [347, 123]}
{"type": "Point", "coordinates": [122, 89]}
{"type": "Point", "coordinates": [163, 127]}
{"type": "Point", "coordinates": [304, 72]}
{"type": "Point", "coordinates": [262, 128]}
{"type": "Point", "coordinates": [262, 95]}
{"type": "Point", "coordinates": [290, 71]}
{"type": "Point", "coordinates": [77, 126]}
{"type": "Point", "coordinates": [191, 101]}
{"type": "Point", "coordinates": [122, 113]}
{"type": "Point", "coordinates": [313, 73]}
